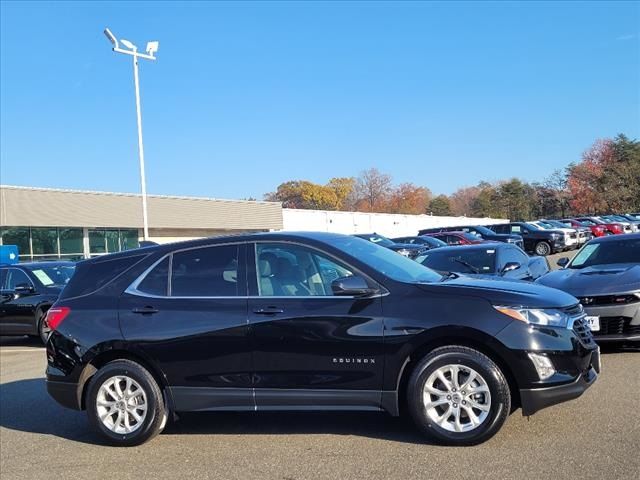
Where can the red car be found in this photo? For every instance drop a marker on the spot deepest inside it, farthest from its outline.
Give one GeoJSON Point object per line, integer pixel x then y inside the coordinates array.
{"type": "Point", "coordinates": [597, 229]}
{"type": "Point", "coordinates": [458, 238]}
{"type": "Point", "coordinates": [611, 228]}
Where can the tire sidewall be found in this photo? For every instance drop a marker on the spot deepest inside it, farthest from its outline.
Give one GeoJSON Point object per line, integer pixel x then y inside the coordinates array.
{"type": "Point", "coordinates": [155, 410]}
{"type": "Point", "coordinates": [545, 246]}
{"type": "Point", "coordinates": [500, 397]}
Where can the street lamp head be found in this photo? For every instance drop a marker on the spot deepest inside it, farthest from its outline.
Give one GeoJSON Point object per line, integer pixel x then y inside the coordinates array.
{"type": "Point", "coordinates": [112, 38]}
{"type": "Point", "coordinates": [152, 47]}
{"type": "Point", "coordinates": [129, 45]}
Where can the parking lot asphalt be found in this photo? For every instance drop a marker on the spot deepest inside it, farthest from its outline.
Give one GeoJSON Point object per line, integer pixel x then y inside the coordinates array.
{"type": "Point", "coordinates": [594, 437]}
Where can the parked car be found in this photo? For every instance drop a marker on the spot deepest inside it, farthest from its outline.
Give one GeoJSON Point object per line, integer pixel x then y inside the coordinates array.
{"type": "Point", "coordinates": [570, 234]}
{"type": "Point", "coordinates": [605, 276]}
{"type": "Point", "coordinates": [598, 230]}
{"type": "Point", "coordinates": [480, 231]}
{"type": "Point", "coordinates": [410, 250]}
{"type": "Point", "coordinates": [458, 238]}
{"type": "Point", "coordinates": [632, 218]}
{"type": "Point", "coordinates": [308, 321]}
{"type": "Point", "coordinates": [629, 227]}
{"type": "Point", "coordinates": [422, 240]}
{"type": "Point", "coordinates": [612, 228]}
{"type": "Point", "coordinates": [584, 233]}
{"type": "Point", "coordinates": [496, 260]}
{"type": "Point", "coordinates": [539, 241]}
{"type": "Point", "coordinates": [27, 290]}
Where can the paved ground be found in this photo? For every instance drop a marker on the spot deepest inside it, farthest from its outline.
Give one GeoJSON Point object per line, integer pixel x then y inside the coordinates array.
{"type": "Point", "coordinates": [596, 436]}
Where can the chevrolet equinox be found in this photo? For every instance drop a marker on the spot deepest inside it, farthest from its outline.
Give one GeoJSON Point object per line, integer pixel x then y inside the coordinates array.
{"type": "Point", "coordinates": [308, 321]}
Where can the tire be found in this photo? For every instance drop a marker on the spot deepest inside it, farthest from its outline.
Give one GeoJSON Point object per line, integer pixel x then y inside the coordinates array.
{"type": "Point", "coordinates": [492, 395]}
{"type": "Point", "coordinates": [114, 377]}
{"type": "Point", "coordinates": [43, 328]}
{"type": "Point", "coordinates": [543, 249]}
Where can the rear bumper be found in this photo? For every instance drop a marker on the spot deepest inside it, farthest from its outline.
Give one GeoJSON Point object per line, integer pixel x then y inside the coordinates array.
{"type": "Point", "coordinates": [534, 400]}
{"type": "Point", "coordinates": [66, 394]}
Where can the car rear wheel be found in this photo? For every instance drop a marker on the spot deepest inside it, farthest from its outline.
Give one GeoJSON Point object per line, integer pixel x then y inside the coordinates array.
{"type": "Point", "coordinates": [125, 404]}
{"type": "Point", "coordinates": [43, 327]}
{"type": "Point", "coordinates": [543, 249]}
{"type": "Point", "coordinates": [458, 396]}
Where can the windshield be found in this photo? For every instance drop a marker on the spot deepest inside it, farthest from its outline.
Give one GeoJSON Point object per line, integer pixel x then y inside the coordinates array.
{"type": "Point", "coordinates": [605, 253]}
{"type": "Point", "coordinates": [461, 261]}
{"type": "Point", "coordinates": [481, 230]}
{"type": "Point", "coordinates": [433, 241]}
{"type": "Point", "coordinates": [536, 226]}
{"type": "Point", "coordinates": [389, 263]}
{"type": "Point", "coordinates": [53, 275]}
{"type": "Point", "coordinates": [379, 239]}
{"type": "Point", "coordinates": [471, 237]}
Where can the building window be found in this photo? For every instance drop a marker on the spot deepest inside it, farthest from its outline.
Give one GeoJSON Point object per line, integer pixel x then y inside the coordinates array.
{"type": "Point", "coordinates": [129, 239]}
{"type": "Point", "coordinates": [97, 244]}
{"type": "Point", "coordinates": [71, 243]}
{"type": "Point", "coordinates": [17, 236]}
{"type": "Point", "coordinates": [44, 241]}
{"type": "Point", "coordinates": [112, 238]}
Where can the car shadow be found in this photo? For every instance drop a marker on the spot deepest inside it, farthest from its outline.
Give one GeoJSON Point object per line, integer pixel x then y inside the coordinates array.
{"type": "Point", "coordinates": [25, 406]}
{"type": "Point", "coordinates": [21, 341]}
{"type": "Point", "coordinates": [606, 348]}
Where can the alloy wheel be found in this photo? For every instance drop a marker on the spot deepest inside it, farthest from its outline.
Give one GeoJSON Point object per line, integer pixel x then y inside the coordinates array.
{"type": "Point", "coordinates": [121, 404]}
{"type": "Point", "coordinates": [457, 398]}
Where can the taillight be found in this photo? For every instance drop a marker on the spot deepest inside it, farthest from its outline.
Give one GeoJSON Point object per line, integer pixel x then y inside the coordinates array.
{"type": "Point", "coordinates": [56, 315]}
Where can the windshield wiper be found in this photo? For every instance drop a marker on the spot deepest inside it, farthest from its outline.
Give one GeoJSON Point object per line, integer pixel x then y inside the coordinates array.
{"type": "Point", "coordinates": [449, 276]}
{"type": "Point", "coordinates": [473, 268]}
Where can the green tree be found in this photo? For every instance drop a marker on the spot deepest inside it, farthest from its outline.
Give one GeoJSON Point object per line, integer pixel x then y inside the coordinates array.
{"type": "Point", "coordinates": [440, 205]}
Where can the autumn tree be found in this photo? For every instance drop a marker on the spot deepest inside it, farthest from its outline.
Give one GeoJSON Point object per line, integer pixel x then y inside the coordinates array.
{"type": "Point", "coordinates": [462, 200]}
{"type": "Point", "coordinates": [345, 190]}
{"type": "Point", "coordinates": [408, 198]}
{"type": "Point", "coordinates": [372, 190]}
{"type": "Point", "coordinates": [304, 194]}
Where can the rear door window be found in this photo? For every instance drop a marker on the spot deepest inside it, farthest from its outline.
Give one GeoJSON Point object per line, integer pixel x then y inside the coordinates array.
{"type": "Point", "coordinates": [156, 282]}
{"type": "Point", "coordinates": [206, 272]}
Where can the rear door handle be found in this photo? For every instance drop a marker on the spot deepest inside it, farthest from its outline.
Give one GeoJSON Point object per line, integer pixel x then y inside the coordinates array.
{"type": "Point", "coordinates": [268, 310]}
{"type": "Point", "coordinates": [145, 310]}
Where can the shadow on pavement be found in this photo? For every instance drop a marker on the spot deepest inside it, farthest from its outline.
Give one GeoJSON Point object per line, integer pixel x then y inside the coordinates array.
{"type": "Point", "coordinates": [25, 406]}
{"type": "Point", "coordinates": [22, 341]}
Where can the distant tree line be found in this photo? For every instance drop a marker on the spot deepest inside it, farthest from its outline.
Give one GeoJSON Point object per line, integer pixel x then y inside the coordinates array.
{"type": "Point", "coordinates": [606, 179]}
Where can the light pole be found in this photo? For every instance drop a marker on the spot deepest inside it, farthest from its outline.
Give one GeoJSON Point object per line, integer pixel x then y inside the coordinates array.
{"type": "Point", "coordinates": [152, 48]}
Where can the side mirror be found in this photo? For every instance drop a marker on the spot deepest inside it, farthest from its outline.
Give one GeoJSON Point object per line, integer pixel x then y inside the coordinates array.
{"type": "Point", "coordinates": [509, 267]}
{"type": "Point", "coordinates": [562, 262]}
{"type": "Point", "coordinates": [351, 286]}
{"type": "Point", "coordinates": [23, 288]}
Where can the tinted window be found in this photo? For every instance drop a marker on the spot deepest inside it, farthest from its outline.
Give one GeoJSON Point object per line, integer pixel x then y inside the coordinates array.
{"type": "Point", "coordinates": [452, 240]}
{"type": "Point", "coordinates": [463, 261]}
{"type": "Point", "coordinates": [511, 254]}
{"type": "Point", "coordinates": [17, 277]}
{"type": "Point", "coordinates": [90, 276]}
{"type": "Point", "coordinates": [157, 280]}
{"type": "Point", "coordinates": [3, 278]}
{"type": "Point", "coordinates": [53, 275]}
{"type": "Point", "coordinates": [205, 272]}
{"type": "Point", "coordinates": [293, 270]}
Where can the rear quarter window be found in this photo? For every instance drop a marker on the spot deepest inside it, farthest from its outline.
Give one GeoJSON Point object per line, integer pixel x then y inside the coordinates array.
{"type": "Point", "coordinates": [93, 275]}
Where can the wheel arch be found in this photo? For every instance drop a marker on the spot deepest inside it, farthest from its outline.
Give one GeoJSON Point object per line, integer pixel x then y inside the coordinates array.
{"type": "Point", "coordinates": [113, 354]}
{"type": "Point", "coordinates": [477, 340]}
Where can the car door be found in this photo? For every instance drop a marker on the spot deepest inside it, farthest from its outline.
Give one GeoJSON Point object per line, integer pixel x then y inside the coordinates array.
{"type": "Point", "coordinates": [18, 307]}
{"type": "Point", "coordinates": [510, 254]}
{"type": "Point", "coordinates": [309, 346]}
{"type": "Point", "coordinates": [188, 313]}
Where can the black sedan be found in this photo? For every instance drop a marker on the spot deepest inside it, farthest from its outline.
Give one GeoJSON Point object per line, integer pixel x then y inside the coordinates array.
{"type": "Point", "coordinates": [495, 260]}
{"type": "Point", "coordinates": [410, 250]}
{"type": "Point", "coordinates": [27, 290]}
{"type": "Point", "coordinates": [422, 240]}
{"type": "Point", "coordinates": [605, 276]}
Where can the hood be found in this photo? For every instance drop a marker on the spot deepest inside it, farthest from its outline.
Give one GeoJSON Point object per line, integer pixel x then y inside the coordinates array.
{"type": "Point", "coordinates": [505, 292]}
{"type": "Point", "coordinates": [596, 280]}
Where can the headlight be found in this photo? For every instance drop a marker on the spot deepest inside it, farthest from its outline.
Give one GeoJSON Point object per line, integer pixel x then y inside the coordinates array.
{"type": "Point", "coordinates": [536, 316]}
{"type": "Point", "coordinates": [555, 236]}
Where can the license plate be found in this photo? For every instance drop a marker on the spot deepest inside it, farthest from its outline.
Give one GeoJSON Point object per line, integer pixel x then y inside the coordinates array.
{"type": "Point", "coordinates": [593, 322]}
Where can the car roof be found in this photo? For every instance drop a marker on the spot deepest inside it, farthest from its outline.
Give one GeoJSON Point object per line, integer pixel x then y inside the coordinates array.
{"type": "Point", "coordinates": [466, 248]}
{"type": "Point", "coordinates": [616, 238]}
{"type": "Point", "coordinates": [48, 263]}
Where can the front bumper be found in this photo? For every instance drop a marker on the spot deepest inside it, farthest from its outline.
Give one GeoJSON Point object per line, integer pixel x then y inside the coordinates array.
{"type": "Point", "coordinates": [618, 323]}
{"type": "Point", "coordinates": [535, 399]}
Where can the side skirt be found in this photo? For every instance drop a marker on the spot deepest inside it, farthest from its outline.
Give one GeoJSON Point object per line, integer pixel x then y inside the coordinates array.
{"type": "Point", "coordinates": [198, 399]}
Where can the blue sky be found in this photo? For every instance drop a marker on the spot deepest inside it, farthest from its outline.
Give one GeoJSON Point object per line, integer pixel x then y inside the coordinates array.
{"type": "Point", "coordinates": [247, 95]}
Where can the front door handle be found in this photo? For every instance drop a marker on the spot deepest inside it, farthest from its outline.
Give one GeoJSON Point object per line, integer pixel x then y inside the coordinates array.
{"type": "Point", "coordinates": [268, 310]}
{"type": "Point", "coordinates": [145, 310]}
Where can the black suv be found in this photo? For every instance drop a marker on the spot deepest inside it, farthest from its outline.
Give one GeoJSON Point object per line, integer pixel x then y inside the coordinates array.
{"type": "Point", "coordinates": [313, 321]}
{"type": "Point", "coordinates": [480, 231]}
{"type": "Point", "coordinates": [27, 290]}
{"type": "Point", "coordinates": [411, 250]}
{"type": "Point", "coordinates": [536, 240]}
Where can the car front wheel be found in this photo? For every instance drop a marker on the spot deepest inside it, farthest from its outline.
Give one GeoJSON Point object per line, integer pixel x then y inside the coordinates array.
{"type": "Point", "coordinates": [458, 396]}
{"type": "Point", "coordinates": [125, 404]}
{"type": "Point", "coordinates": [543, 249]}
